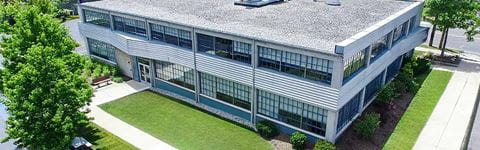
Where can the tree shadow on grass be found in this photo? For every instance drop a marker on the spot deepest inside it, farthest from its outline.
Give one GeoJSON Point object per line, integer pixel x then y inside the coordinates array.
{"type": "Point", "coordinates": [91, 133]}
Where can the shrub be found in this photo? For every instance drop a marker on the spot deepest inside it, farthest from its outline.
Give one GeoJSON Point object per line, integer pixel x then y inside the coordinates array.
{"type": "Point", "coordinates": [267, 129]}
{"type": "Point", "coordinates": [298, 140]}
{"type": "Point", "coordinates": [324, 145]}
{"type": "Point", "coordinates": [406, 76]}
{"type": "Point", "coordinates": [367, 126]}
{"type": "Point", "coordinates": [422, 65]}
{"type": "Point", "coordinates": [387, 94]}
{"type": "Point", "coordinates": [97, 72]}
{"type": "Point", "coordinates": [400, 87]}
{"type": "Point", "coordinates": [117, 79]}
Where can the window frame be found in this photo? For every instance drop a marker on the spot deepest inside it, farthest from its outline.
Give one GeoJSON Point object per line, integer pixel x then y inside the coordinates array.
{"type": "Point", "coordinates": [313, 68]}
{"type": "Point", "coordinates": [88, 14]}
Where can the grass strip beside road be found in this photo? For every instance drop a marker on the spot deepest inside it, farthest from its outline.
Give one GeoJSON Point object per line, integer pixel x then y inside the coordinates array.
{"type": "Point", "coordinates": [414, 119]}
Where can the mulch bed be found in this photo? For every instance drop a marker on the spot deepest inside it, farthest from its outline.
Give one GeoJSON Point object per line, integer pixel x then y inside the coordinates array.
{"type": "Point", "coordinates": [390, 115]}
{"type": "Point", "coordinates": [282, 142]}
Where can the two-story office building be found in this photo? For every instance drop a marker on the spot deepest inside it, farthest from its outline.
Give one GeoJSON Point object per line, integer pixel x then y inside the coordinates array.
{"type": "Point", "coordinates": [305, 65]}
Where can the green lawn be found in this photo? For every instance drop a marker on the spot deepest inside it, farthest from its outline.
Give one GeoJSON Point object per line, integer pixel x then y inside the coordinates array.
{"type": "Point", "coordinates": [104, 140]}
{"type": "Point", "coordinates": [412, 122]}
{"type": "Point", "coordinates": [182, 126]}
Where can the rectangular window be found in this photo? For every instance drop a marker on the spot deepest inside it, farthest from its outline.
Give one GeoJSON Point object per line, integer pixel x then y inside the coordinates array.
{"type": "Point", "coordinates": [225, 90]}
{"type": "Point", "coordinates": [97, 18]}
{"type": "Point", "coordinates": [157, 32]}
{"type": "Point", "coordinates": [348, 111]}
{"type": "Point", "coordinates": [174, 36]}
{"type": "Point", "coordinates": [393, 68]}
{"type": "Point", "coordinates": [379, 47]}
{"type": "Point", "coordinates": [400, 32]}
{"type": "Point", "coordinates": [101, 49]}
{"type": "Point", "coordinates": [224, 48]}
{"type": "Point", "coordinates": [293, 112]}
{"type": "Point", "coordinates": [308, 67]}
{"type": "Point", "coordinates": [354, 64]}
{"type": "Point", "coordinates": [131, 26]}
{"type": "Point", "coordinates": [412, 23]}
{"type": "Point", "coordinates": [372, 88]}
{"type": "Point", "coordinates": [177, 74]}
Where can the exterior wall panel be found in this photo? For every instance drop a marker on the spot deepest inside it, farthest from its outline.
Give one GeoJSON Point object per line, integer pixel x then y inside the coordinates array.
{"type": "Point", "coordinates": [161, 51]}
{"type": "Point", "coordinates": [308, 92]}
{"type": "Point", "coordinates": [171, 88]}
{"type": "Point", "coordinates": [226, 69]}
{"type": "Point", "coordinates": [103, 34]}
{"type": "Point", "coordinates": [225, 108]}
{"type": "Point", "coordinates": [361, 80]}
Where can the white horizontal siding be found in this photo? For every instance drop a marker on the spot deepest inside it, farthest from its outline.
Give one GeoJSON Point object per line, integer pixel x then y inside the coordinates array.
{"type": "Point", "coordinates": [139, 47]}
{"type": "Point", "coordinates": [225, 68]}
{"type": "Point", "coordinates": [103, 34]}
{"type": "Point", "coordinates": [302, 90]}
{"type": "Point", "coordinates": [363, 78]}
{"type": "Point", "coordinates": [161, 51]}
{"type": "Point", "coordinates": [305, 91]}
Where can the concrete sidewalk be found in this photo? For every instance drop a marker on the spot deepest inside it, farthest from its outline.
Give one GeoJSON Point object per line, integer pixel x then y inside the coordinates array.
{"type": "Point", "coordinates": [448, 124]}
{"type": "Point", "coordinates": [123, 130]}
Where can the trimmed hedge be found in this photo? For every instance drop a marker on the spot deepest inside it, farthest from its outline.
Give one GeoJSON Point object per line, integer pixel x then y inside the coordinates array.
{"type": "Point", "coordinates": [298, 140]}
{"type": "Point", "coordinates": [324, 145]}
{"type": "Point", "coordinates": [387, 94]}
{"type": "Point", "coordinates": [367, 126]}
{"type": "Point", "coordinates": [267, 129]}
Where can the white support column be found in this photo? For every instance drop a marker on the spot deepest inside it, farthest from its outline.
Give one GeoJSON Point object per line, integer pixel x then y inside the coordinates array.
{"type": "Point", "coordinates": [368, 55]}
{"type": "Point", "coordinates": [331, 129]}
{"type": "Point", "coordinates": [384, 78]}
{"type": "Point", "coordinates": [254, 90]}
{"type": "Point", "coordinates": [390, 40]}
{"type": "Point", "coordinates": [152, 72]}
{"type": "Point", "coordinates": [362, 100]}
{"type": "Point", "coordinates": [337, 74]}
{"type": "Point", "coordinates": [147, 28]}
{"type": "Point", "coordinates": [80, 13]}
{"type": "Point", "coordinates": [196, 74]}
{"type": "Point", "coordinates": [408, 28]}
{"type": "Point", "coordinates": [112, 26]}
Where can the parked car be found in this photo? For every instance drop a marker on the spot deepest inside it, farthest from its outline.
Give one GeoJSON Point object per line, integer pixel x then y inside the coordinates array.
{"type": "Point", "coordinates": [80, 143]}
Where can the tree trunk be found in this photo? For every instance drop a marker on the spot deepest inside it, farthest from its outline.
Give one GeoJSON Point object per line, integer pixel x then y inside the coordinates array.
{"type": "Point", "coordinates": [442, 41]}
{"type": "Point", "coordinates": [440, 44]}
{"type": "Point", "coordinates": [432, 35]}
{"type": "Point", "coordinates": [444, 46]}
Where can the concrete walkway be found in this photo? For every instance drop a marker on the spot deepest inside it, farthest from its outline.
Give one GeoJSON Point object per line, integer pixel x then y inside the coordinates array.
{"type": "Point", "coordinates": [123, 130]}
{"type": "Point", "coordinates": [448, 124]}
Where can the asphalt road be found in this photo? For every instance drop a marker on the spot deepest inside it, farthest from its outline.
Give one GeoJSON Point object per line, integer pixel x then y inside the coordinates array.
{"type": "Point", "coordinates": [3, 118]}
{"type": "Point", "coordinates": [457, 40]}
{"type": "Point", "coordinates": [72, 25]}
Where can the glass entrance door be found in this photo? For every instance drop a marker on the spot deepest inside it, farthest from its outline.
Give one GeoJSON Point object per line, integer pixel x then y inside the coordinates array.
{"type": "Point", "coordinates": [144, 67]}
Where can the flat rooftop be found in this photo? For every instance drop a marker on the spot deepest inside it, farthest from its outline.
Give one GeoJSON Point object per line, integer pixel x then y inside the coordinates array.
{"type": "Point", "coordinates": [298, 23]}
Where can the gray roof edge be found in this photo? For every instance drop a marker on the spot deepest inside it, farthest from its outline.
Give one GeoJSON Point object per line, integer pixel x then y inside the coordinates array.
{"type": "Point", "coordinates": [377, 25]}
{"type": "Point", "coordinates": [315, 50]}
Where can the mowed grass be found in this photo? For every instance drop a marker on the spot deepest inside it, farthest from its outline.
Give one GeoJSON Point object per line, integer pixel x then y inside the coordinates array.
{"type": "Point", "coordinates": [414, 119]}
{"type": "Point", "coordinates": [181, 125]}
{"type": "Point", "coordinates": [104, 140]}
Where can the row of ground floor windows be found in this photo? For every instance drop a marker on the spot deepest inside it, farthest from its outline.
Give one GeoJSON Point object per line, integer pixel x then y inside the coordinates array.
{"type": "Point", "coordinates": [272, 105]}
{"type": "Point", "coordinates": [284, 109]}
{"type": "Point", "coordinates": [352, 108]}
{"type": "Point", "coordinates": [287, 110]}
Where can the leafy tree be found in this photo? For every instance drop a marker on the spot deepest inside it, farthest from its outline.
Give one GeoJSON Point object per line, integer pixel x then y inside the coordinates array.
{"type": "Point", "coordinates": [43, 82]}
{"type": "Point", "coordinates": [34, 28]}
{"type": "Point", "coordinates": [44, 99]}
{"type": "Point", "coordinates": [452, 14]}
